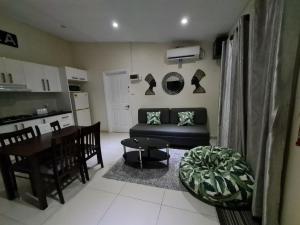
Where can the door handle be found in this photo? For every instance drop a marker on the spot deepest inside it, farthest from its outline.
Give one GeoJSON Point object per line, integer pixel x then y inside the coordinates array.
{"type": "Point", "coordinates": [3, 77]}
{"type": "Point", "coordinates": [48, 85]}
{"type": "Point", "coordinates": [43, 83]}
{"type": "Point", "coordinates": [127, 106]}
{"type": "Point", "coordinates": [10, 78]}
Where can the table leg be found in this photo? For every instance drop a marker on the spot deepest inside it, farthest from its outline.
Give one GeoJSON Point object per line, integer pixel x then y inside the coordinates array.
{"type": "Point", "coordinates": [124, 148]}
{"type": "Point", "coordinates": [168, 154]}
{"type": "Point", "coordinates": [38, 183]}
{"type": "Point", "coordinates": [140, 158]}
{"type": "Point", "coordinates": [8, 177]}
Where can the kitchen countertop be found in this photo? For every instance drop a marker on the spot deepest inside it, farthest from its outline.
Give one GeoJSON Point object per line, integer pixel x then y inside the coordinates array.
{"type": "Point", "coordinates": [33, 117]}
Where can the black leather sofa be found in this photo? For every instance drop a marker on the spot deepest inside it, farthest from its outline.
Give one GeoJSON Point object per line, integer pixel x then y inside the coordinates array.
{"type": "Point", "coordinates": [181, 136]}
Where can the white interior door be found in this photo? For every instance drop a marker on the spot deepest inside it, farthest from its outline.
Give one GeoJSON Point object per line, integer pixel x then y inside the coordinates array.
{"type": "Point", "coordinates": [116, 86]}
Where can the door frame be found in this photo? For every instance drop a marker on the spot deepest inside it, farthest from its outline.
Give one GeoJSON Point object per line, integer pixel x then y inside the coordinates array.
{"type": "Point", "coordinates": [106, 74]}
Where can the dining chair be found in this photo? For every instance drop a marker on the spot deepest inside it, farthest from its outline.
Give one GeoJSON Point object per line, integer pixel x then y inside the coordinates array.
{"type": "Point", "coordinates": [55, 126]}
{"type": "Point", "coordinates": [43, 129]}
{"type": "Point", "coordinates": [19, 164]}
{"type": "Point", "coordinates": [66, 161]}
{"type": "Point", "coordinates": [90, 145]}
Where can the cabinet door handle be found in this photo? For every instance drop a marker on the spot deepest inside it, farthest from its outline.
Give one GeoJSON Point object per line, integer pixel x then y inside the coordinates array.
{"type": "Point", "coordinates": [3, 77]}
{"type": "Point", "coordinates": [48, 85]}
{"type": "Point", "coordinates": [10, 78]}
{"type": "Point", "coordinates": [81, 78]}
{"type": "Point", "coordinates": [43, 83]}
{"type": "Point", "coordinates": [75, 78]}
{"type": "Point", "coordinates": [16, 126]}
{"type": "Point", "coordinates": [66, 125]}
{"type": "Point", "coordinates": [65, 117]}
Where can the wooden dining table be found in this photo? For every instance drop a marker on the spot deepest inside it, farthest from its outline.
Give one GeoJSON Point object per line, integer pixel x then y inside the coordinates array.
{"type": "Point", "coordinates": [31, 149]}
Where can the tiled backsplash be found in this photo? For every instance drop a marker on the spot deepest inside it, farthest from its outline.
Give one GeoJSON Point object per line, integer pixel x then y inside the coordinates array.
{"type": "Point", "coordinates": [25, 103]}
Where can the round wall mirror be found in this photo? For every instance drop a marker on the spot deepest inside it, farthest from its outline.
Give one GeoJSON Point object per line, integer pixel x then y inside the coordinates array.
{"type": "Point", "coordinates": [173, 83]}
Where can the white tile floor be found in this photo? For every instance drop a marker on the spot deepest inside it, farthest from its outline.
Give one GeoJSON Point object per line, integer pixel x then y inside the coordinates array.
{"type": "Point", "coordinates": [109, 202]}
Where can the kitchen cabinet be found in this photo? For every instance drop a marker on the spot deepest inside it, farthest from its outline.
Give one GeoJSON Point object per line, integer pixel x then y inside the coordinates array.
{"type": "Point", "coordinates": [65, 120]}
{"type": "Point", "coordinates": [11, 72]}
{"type": "Point", "coordinates": [7, 128]}
{"type": "Point", "coordinates": [42, 78]}
{"type": "Point", "coordinates": [75, 74]}
{"type": "Point", "coordinates": [34, 77]}
{"type": "Point", "coordinates": [52, 77]}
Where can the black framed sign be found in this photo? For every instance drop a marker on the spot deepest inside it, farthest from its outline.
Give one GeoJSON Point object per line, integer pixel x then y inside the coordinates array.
{"type": "Point", "coordinates": [8, 39]}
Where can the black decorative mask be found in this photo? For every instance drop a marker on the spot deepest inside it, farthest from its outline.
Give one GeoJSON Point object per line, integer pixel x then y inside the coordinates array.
{"type": "Point", "coordinates": [152, 83]}
{"type": "Point", "coordinates": [199, 74]}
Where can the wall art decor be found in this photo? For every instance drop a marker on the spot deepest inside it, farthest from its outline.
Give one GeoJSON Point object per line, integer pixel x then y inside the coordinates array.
{"type": "Point", "coordinates": [199, 74]}
{"type": "Point", "coordinates": [173, 83]}
{"type": "Point", "coordinates": [152, 83]}
{"type": "Point", "coordinates": [8, 39]}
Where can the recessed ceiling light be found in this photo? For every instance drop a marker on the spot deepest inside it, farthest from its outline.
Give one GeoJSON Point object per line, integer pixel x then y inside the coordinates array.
{"type": "Point", "coordinates": [115, 25]}
{"type": "Point", "coordinates": [184, 21]}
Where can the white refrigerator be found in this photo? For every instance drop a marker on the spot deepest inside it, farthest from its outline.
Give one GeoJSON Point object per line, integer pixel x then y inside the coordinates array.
{"type": "Point", "coordinates": [81, 108]}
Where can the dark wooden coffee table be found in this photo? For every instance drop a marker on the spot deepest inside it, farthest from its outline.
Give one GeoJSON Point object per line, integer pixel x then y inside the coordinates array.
{"type": "Point", "coordinates": [146, 149]}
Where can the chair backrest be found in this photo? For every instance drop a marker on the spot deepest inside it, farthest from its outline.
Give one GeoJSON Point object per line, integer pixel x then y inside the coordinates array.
{"type": "Point", "coordinates": [16, 137]}
{"type": "Point", "coordinates": [43, 129]}
{"type": "Point", "coordinates": [66, 153]}
{"type": "Point", "coordinates": [90, 140]}
{"type": "Point", "coordinates": [55, 126]}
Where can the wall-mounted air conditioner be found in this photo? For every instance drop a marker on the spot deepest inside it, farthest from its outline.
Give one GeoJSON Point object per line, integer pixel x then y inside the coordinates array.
{"type": "Point", "coordinates": [185, 53]}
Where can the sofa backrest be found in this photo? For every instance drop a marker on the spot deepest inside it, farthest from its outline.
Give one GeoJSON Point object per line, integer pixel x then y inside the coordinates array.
{"type": "Point", "coordinates": [200, 116]}
{"type": "Point", "coordinates": [164, 114]}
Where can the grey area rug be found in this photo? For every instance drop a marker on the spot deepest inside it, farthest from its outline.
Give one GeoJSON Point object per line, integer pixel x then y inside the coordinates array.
{"type": "Point", "coordinates": [154, 173]}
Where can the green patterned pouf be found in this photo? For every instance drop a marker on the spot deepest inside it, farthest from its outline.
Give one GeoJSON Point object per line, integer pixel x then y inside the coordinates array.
{"type": "Point", "coordinates": [218, 176]}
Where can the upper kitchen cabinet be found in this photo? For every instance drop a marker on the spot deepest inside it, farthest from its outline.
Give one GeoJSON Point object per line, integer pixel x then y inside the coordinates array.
{"type": "Point", "coordinates": [74, 74]}
{"type": "Point", "coordinates": [11, 71]}
{"type": "Point", "coordinates": [42, 78]}
{"type": "Point", "coordinates": [52, 77]}
{"type": "Point", "coordinates": [34, 77]}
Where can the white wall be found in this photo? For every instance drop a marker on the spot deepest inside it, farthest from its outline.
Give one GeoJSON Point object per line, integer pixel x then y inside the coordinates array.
{"type": "Point", "coordinates": [291, 200]}
{"type": "Point", "coordinates": [148, 58]}
{"type": "Point", "coordinates": [290, 214]}
{"type": "Point", "coordinates": [35, 45]}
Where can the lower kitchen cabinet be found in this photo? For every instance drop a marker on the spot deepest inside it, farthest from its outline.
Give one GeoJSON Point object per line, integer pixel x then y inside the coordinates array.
{"type": "Point", "coordinates": [65, 120]}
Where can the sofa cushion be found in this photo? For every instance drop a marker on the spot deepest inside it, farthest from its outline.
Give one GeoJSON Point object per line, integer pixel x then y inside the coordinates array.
{"type": "Point", "coordinates": [164, 114]}
{"type": "Point", "coordinates": [186, 118]}
{"type": "Point", "coordinates": [153, 118]}
{"type": "Point", "coordinates": [169, 130]}
{"type": "Point", "coordinates": [200, 116]}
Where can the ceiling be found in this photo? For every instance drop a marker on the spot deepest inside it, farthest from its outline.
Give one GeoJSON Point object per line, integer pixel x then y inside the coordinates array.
{"type": "Point", "coordinates": [139, 20]}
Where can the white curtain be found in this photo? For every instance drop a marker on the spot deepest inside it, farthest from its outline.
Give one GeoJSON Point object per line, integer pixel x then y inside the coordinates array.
{"type": "Point", "coordinates": [233, 95]}
{"type": "Point", "coordinates": [224, 104]}
{"type": "Point", "coordinates": [256, 96]}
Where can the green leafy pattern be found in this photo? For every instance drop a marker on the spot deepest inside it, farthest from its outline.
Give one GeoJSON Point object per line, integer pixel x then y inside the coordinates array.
{"type": "Point", "coordinates": [217, 175]}
{"type": "Point", "coordinates": [153, 118]}
{"type": "Point", "coordinates": [186, 118]}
